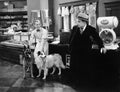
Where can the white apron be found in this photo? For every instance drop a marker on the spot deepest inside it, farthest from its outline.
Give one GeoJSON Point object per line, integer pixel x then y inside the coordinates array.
{"type": "Point", "coordinates": [41, 44]}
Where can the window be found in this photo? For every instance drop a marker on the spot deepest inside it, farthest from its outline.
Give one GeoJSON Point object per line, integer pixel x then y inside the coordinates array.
{"type": "Point", "coordinates": [68, 12]}
{"type": "Point", "coordinates": [113, 9]}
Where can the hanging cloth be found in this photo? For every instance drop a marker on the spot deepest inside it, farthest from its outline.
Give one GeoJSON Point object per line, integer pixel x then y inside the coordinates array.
{"type": "Point", "coordinates": [76, 8]}
{"type": "Point", "coordinates": [44, 18]}
{"type": "Point", "coordinates": [82, 9]}
{"type": "Point", "coordinates": [87, 8]}
{"type": "Point", "coordinates": [59, 12]}
{"type": "Point", "coordinates": [67, 11]}
{"type": "Point", "coordinates": [63, 11]}
{"type": "Point", "coordinates": [92, 14]}
{"type": "Point", "coordinates": [72, 10]}
{"type": "Point", "coordinates": [66, 20]}
{"type": "Point", "coordinates": [73, 21]}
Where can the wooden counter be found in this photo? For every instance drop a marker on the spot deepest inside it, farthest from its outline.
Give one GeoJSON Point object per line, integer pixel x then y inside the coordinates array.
{"type": "Point", "coordinates": [10, 51]}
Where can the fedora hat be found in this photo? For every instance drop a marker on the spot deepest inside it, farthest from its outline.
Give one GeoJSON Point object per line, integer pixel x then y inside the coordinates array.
{"type": "Point", "coordinates": [83, 16]}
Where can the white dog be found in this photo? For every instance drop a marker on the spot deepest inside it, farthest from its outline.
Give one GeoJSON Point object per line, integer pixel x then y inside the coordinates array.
{"type": "Point", "coordinates": [50, 61]}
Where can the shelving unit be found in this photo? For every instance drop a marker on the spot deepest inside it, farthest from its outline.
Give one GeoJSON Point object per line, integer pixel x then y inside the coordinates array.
{"type": "Point", "coordinates": [9, 17]}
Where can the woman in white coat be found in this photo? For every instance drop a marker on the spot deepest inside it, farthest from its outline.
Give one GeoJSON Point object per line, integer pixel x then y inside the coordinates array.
{"type": "Point", "coordinates": [39, 36]}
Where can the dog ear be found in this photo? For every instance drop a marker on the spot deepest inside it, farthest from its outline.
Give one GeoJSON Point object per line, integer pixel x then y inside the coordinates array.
{"type": "Point", "coordinates": [28, 46]}
{"type": "Point", "coordinates": [24, 47]}
{"type": "Point", "coordinates": [39, 53]}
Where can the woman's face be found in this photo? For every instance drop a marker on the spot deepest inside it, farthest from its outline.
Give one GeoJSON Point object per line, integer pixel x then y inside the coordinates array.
{"type": "Point", "coordinates": [80, 23]}
{"type": "Point", "coordinates": [37, 24]}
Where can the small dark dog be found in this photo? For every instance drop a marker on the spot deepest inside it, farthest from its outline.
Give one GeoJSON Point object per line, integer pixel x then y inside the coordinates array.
{"type": "Point", "coordinates": [28, 60]}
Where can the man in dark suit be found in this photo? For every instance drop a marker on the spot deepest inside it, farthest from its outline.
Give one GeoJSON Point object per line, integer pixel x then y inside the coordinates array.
{"type": "Point", "coordinates": [81, 41]}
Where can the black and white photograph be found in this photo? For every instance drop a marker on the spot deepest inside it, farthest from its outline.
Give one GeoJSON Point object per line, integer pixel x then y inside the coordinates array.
{"type": "Point", "coordinates": [59, 45]}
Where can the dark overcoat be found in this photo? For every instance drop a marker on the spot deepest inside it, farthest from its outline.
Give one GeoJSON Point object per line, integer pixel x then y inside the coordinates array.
{"type": "Point", "coordinates": [81, 47]}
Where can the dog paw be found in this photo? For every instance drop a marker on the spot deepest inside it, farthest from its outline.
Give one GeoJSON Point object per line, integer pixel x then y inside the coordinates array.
{"type": "Point", "coordinates": [59, 73]}
{"type": "Point", "coordinates": [32, 76]}
{"type": "Point", "coordinates": [59, 77]}
{"type": "Point", "coordinates": [51, 73]}
{"type": "Point", "coordinates": [44, 78]}
{"type": "Point", "coordinates": [24, 77]}
{"type": "Point", "coordinates": [38, 76]}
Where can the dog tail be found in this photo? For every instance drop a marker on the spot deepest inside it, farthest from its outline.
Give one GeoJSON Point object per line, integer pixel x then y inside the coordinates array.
{"type": "Point", "coordinates": [62, 65]}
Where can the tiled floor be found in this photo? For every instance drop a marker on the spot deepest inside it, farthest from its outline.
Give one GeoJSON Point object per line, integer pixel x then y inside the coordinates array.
{"type": "Point", "coordinates": [11, 81]}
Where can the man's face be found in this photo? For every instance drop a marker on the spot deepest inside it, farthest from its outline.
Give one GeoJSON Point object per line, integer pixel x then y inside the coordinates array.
{"type": "Point", "coordinates": [80, 23]}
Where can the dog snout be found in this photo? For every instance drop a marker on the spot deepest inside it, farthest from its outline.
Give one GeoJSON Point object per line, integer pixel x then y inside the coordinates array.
{"type": "Point", "coordinates": [29, 56]}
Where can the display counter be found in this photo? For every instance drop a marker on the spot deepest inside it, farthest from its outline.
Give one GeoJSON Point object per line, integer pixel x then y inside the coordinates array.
{"type": "Point", "coordinates": [62, 49]}
{"type": "Point", "coordinates": [102, 68]}
{"type": "Point", "coordinates": [4, 37]}
{"type": "Point", "coordinates": [22, 36]}
{"type": "Point", "coordinates": [10, 50]}
{"type": "Point", "coordinates": [106, 67]}
{"type": "Point", "coordinates": [11, 45]}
